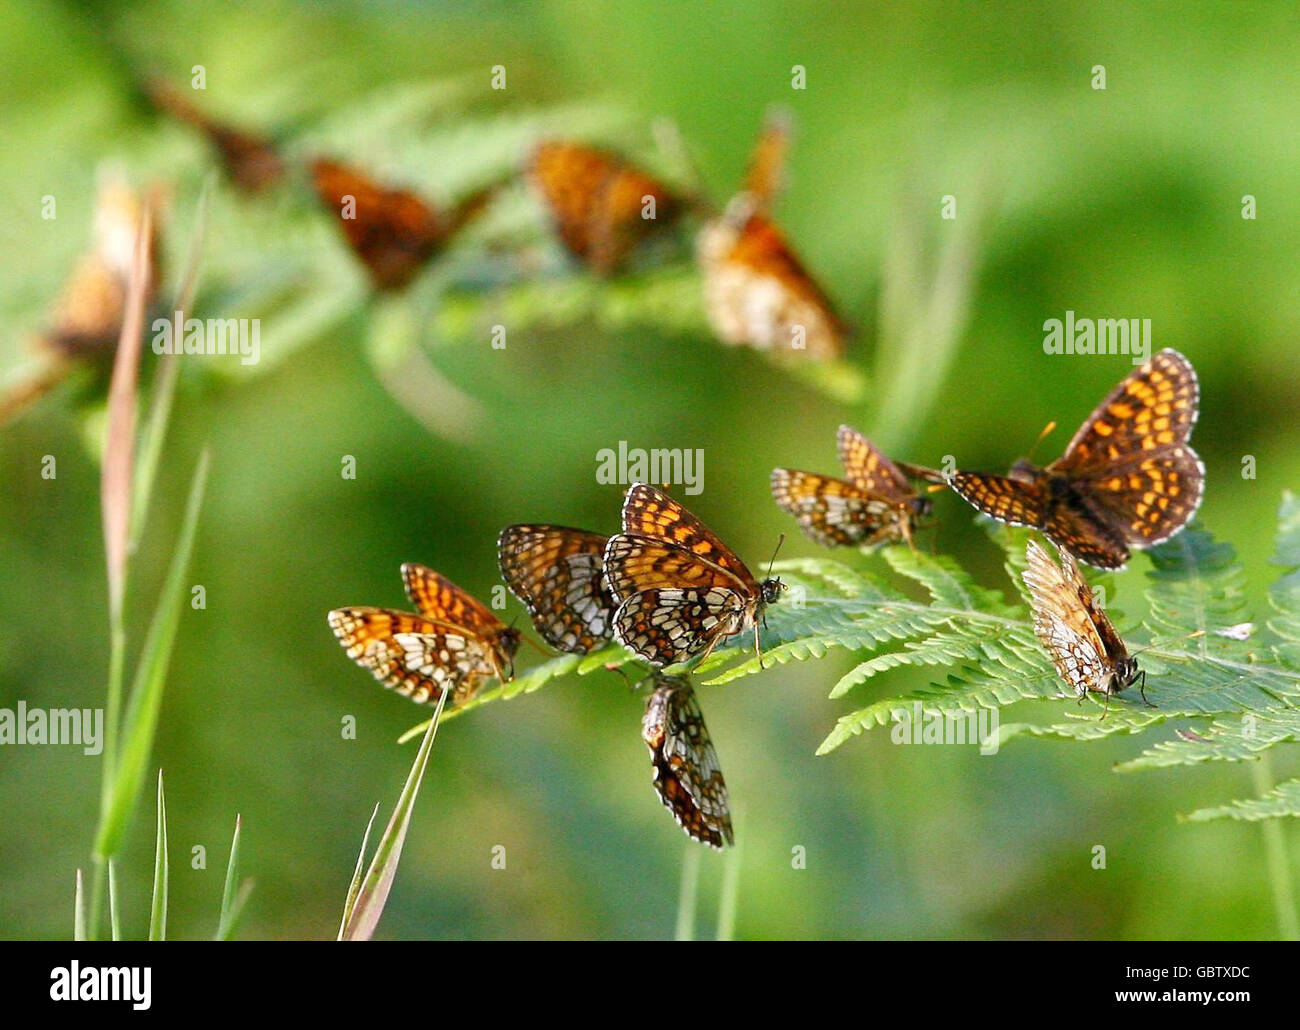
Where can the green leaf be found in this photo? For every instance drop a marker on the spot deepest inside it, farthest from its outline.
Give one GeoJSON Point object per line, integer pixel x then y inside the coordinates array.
{"type": "Point", "coordinates": [79, 911]}
{"type": "Point", "coordinates": [367, 905]}
{"type": "Point", "coordinates": [151, 674]}
{"type": "Point", "coordinates": [158, 910]}
{"type": "Point", "coordinates": [1282, 800]}
{"type": "Point", "coordinates": [354, 888]}
{"type": "Point", "coordinates": [232, 900]}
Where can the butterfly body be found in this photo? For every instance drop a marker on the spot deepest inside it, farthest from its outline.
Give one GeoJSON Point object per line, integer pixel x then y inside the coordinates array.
{"type": "Point", "coordinates": [687, 776]}
{"type": "Point", "coordinates": [875, 504]}
{"type": "Point", "coordinates": [680, 590]}
{"type": "Point", "coordinates": [1089, 655]}
{"type": "Point", "coordinates": [455, 644]}
{"type": "Point", "coordinates": [559, 575]}
{"type": "Point", "coordinates": [1127, 479]}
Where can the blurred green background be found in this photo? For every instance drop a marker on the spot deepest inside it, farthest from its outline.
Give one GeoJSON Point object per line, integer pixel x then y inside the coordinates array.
{"type": "Point", "coordinates": [1117, 203]}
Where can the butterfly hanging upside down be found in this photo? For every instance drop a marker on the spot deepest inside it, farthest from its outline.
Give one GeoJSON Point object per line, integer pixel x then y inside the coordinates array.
{"type": "Point", "coordinates": [454, 644]}
{"type": "Point", "coordinates": [1127, 479]}
{"type": "Point", "coordinates": [875, 505]}
{"type": "Point", "coordinates": [1074, 630]}
{"type": "Point", "coordinates": [680, 590]}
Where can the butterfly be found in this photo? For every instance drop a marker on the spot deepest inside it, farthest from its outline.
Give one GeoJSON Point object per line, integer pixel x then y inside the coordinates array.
{"type": "Point", "coordinates": [687, 776]}
{"type": "Point", "coordinates": [251, 161]}
{"type": "Point", "coordinates": [1127, 479]}
{"type": "Point", "coordinates": [394, 232]}
{"type": "Point", "coordinates": [876, 504]}
{"type": "Point", "coordinates": [86, 321]}
{"type": "Point", "coordinates": [454, 644]}
{"type": "Point", "coordinates": [1074, 631]}
{"type": "Point", "coordinates": [559, 575]}
{"type": "Point", "coordinates": [680, 590]}
{"type": "Point", "coordinates": [599, 201]}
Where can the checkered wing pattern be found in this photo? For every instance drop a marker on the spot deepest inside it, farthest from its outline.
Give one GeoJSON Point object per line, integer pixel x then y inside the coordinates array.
{"type": "Point", "coordinates": [1131, 458]}
{"type": "Point", "coordinates": [687, 775]}
{"type": "Point", "coordinates": [1065, 624]}
{"type": "Point", "coordinates": [867, 466]}
{"type": "Point", "coordinates": [831, 512]}
{"type": "Point", "coordinates": [417, 657]}
{"type": "Point", "coordinates": [558, 573]}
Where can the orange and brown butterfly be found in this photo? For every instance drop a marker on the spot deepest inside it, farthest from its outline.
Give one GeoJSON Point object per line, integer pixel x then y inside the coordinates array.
{"type": "Point", "coordinates": [1127, 479]}
{"type": "Point", "coordinates": [756, 290]}
{"type": "Point", "coordinates": [680, 590]}
{"type": "Point", "coordinates": [559, 575]}
{"type": "Point", "coordinates": [603, 207]}
{"type": "Point", "coordinates": [394, 232]}
{"type": "Point", "coordinates": [1074, 630]}
{"type": "Point", "coordinates": [455, 644]}
{"type": "Point", "coordinates": [876, 504]}
{"type": "Point", "coordinates": [687, 776]}
{"type": "Point", "coordinates": [251, 161]}
{"type": "Point", "coordinates": [86, 322]}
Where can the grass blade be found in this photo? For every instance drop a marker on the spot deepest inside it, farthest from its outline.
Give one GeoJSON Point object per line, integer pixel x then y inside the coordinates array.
{"type": "Point", "coordinates": [687, 894]}
{"type": "Point", "coordinates": [146, 693]}
{"type": "Point", "coordinates": [373, 895]}
{"type": "Point", "coordinates": [730, 892]}
{"type": "Point", "coordinates": [79, 911]}
{"type": "Point", "coordinates": [231, 902]}
{"type": "Point", "coordinates": [158, 911]}
{"type": "Point", "coordinates": [114, 926]}
{"type": "Point", "coordinates": [354, 887]}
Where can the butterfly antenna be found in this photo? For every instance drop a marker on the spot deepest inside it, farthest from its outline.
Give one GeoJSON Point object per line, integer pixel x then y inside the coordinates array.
{"type": "Point", "coordinates": [1047, 431]}
{"type": "Point", "coordinates": [779, 542]}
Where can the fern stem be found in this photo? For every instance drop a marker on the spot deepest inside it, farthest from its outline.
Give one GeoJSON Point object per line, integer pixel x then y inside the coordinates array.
{"type": "Point", "coordinates": [1279, 873]}
{"type": "Point", "coordinates": [687, 893]}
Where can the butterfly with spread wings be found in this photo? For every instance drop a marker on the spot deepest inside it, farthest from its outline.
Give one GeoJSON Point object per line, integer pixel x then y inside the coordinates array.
{"type": "Point", "coordinates": [876, 504]}
{"type": "Point", "coordinates": [454, 644]}
{"type": "Point", "coordinates": [559, 575]}
{"type": "Point", "coordinates": [394, 232]}
{"type": "Point", "coordinates": [1075, 632]}
{"type": "Point", "coordinates": [680, 590]}
{"type": "Point", "coordinates": [1127, 479]}
{"type": "Point", "coordinates": [599, 202]}
{"type": "Point", "coordinates": [687, 776]}
{"type": "Point", "coordinates": [252, 161]}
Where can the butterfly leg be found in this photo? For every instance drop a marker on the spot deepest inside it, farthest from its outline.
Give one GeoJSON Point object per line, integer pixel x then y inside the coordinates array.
{"type": "Point", "coordinates": [1142, 689]}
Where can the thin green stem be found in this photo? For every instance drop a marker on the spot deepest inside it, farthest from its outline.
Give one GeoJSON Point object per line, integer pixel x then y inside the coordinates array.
{"type": "Point", "coordinates": [687, 894]}
{"type": "Point", "coordinates": [727, 903]}
{"type": "Point", "coordinates": [1279, 867]}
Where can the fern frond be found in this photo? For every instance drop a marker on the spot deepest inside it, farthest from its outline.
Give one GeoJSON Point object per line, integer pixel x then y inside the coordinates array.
{"type": "Point", "coordinates": [1282, 800]}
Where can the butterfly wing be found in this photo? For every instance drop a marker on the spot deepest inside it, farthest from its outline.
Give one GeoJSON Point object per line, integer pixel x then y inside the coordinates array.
{"type": "Point", "coordinates": [417, 657]}
{"type": "Point", "coordinates": [766, 174]}
{"type": "Point", "coordinates": [687, 774]}
{"type": "Point", "coordinates": [1131, 458]}
{"type": "Point", "coordinates": [649, 512]}
{"type": "Point", "coordinates": [831, 512]}
{"type": "Point", "coordinates": [1014, 501]}
{"type": "Point", "coordinates": [868, 467]}
{"type": "Point", "coordinates": [667, 625]}
{"type": "Point", "coordinates": [558, 573]}
{"type": "Point", "coordinates": [393, 232]}
{"type": "Point", "coordinates": [1113, 646]}
{"type": "Point", "coordinates": [1063, 624]}
{"type": "Point", "coordinates": [440, 600]}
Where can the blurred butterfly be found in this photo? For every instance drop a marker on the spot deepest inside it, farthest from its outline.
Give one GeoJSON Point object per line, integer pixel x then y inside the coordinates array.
{"type": "Point", "coordinates": [87, 318]}
{"type": "Point", "coordinates": [687, 776]}
{"type": "Point", "coordinates": [680, 590]}
{"type": "Point", "coordinates": [756, 291]}
{"type": "Point", "coordinates": [875, 505]}
{"type": "Point", "coordinates": [558, 573]}
{"type": "Point", "coordinates": [251, 161]}
{"type": "Point", "coordinates": [1127, 479]}
{"type": "Point", "coordinates": [394, 232]}
{"type": "Point", "coordinates": [1074, 631]}
{"type": "Point", "coordinates": [603, 207]}
{"type": "Point", "coordinates": [454, 644]}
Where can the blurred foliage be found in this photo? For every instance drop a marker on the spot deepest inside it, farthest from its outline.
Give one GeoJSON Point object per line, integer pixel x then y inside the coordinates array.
{"type": "Point", "coordinates": [1123, 202]}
